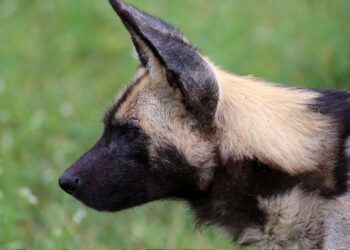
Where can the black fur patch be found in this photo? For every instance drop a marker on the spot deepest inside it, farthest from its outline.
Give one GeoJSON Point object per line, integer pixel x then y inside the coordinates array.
{"type": "Point", "coordinates": [336, 104]}
{"type": "Point", "coordinates": [231, 201]}
{"type": "Point", "coordinates": [173, 174]}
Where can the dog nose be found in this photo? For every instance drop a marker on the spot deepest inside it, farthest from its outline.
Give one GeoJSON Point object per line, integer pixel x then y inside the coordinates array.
{"type": "Point", "coordinates": [68, 183]}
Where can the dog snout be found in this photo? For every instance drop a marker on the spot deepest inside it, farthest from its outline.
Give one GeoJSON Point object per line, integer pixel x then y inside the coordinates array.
{"type": "Point", "coordinates": [69, 183]}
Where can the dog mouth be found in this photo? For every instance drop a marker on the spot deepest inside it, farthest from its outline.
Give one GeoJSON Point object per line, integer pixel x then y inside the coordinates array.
{"type": "Point", "coordinates": [114, 203]}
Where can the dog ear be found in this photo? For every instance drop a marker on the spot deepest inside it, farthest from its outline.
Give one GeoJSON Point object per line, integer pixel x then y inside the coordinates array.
{"type": "Point", "coordinates": [164, 50]}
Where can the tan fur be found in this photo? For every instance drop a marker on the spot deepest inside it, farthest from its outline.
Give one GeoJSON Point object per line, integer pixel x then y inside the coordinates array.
{"type": "Point", "coordinates": [125, 109]}
{"type": "Point", "coordinates": [294, 221]}
{"type": "Point", "coordinates": [273, 124]}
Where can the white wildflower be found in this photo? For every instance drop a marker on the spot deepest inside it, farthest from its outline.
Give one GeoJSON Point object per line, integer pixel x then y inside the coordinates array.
{"type": "Point", "coordinates": [138, 231]}
{"type": "Point", "coordinates": [32, 199]}
{"type": "Point", "coordinates": [79, 216]}
{"type": "Point", "coordinates": [27, 193]}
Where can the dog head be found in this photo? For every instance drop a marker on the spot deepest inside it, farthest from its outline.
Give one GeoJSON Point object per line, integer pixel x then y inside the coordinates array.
{"type": "Point", "coordinates": [159, 135]}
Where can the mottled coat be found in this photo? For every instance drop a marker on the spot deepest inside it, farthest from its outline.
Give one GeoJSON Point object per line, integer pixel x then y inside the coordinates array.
{"type": "Point", "coordinates": [267, 163]}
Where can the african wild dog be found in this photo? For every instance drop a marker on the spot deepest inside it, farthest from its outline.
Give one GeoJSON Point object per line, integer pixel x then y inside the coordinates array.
{"type": "Point", "coordinates": [267, 163]}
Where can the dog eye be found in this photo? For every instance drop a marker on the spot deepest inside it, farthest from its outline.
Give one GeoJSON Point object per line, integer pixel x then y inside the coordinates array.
{"type": "Point", "coordinates": [129, 129]}
{"type": "Point", "coordinates": [130, 133]}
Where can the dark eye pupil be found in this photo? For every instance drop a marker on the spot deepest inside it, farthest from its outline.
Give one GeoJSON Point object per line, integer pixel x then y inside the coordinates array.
{"type": "Point", "coordinates": [130, 133]}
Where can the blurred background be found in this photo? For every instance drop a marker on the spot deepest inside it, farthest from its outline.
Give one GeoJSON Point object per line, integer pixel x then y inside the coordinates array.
{"type": "Point", "coordinates": [61, 64]}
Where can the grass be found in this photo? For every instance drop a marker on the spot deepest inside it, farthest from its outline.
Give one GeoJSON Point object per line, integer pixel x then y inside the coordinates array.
{"type": "Point", "coordinates": [61, 64]}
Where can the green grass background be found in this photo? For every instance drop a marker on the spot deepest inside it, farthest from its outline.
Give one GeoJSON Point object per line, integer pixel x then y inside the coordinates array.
{"type": "Point", "coordinates": [61, 64]}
